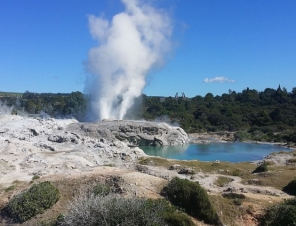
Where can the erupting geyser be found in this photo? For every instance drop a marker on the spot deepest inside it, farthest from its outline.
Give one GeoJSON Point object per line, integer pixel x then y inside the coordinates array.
{"type": "Point", "coordinates": [129, 46]}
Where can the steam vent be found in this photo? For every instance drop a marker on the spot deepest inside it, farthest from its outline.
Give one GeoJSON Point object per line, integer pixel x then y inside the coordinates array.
{"type": "Point", "coordinates": [134, 133]}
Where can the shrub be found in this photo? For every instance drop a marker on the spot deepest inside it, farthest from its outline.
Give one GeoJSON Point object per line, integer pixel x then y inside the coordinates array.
{"type": "Point", "coordinates": [32, 202]}
{"type": "Point", "coordinates": [192, 198]}
{"type": "Point", "coordinates": [177, 219]}
{"type": "Point", "coordinates": [35, 177]}
{"type": "Point", "coordinates": [261, 168]}
{"type": "Point", "coordinates": [112, 209]}
{"type": "Point", "coordinates": [233, 196]}
{"type": "Point", "coordinates": [101, 189]}
{"type": "Point", "coordinates": [291, 187]}
{"type": "Point", "coordinates": [242, 136]}
{"type": "Point", "coordinates": [293, 160]}
{"type": "Point", "coordinates": [281, 214]}
{"type": "Point", "coordinates": [10, 188]}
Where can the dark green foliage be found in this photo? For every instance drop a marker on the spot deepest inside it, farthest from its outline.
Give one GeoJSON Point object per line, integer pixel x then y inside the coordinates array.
{"type": "Point", "coordinates": [242, 136]}
{"type": "Point", "coordinates": [192, 198]}
{"type": "Point", "coordinates": [281, 214]}
{"type": "Point", "coordinates": [116, 210]}
{"type": "Point", "coordinates": [177, 219]}
{"type": "Point", "coordinates": [264, 116]}
{"type": "Point", "coordinates": [261, 168]}
{"type": "Point", "coordinates": [269, 115]}
{"type": "Point", "coordinates": [291, 187]}
{"type": "Point", "coordinates": [233, 196]}
{"type": "Point", "coordinates": [60, 104]}
{"type": "Point", "coordinates": [33, 201]}
{"type": "Point", "coordinates": [101, 189]}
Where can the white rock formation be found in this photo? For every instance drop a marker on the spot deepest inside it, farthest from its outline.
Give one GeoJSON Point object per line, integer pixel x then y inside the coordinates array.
{"type": "Point", "coordinates": [34, 146]}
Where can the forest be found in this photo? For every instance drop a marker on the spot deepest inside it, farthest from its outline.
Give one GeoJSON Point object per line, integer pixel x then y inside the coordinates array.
{"type": "Point", "coordinates": [268, 115]}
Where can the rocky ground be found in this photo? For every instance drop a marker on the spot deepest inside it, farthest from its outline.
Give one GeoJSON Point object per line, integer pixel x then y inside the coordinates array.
{"type": "Point", "coordinates": [63, 148]}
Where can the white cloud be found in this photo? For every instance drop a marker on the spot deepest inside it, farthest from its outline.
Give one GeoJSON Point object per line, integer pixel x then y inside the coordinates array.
{"type": "Point", "coordinates": [218, 79]}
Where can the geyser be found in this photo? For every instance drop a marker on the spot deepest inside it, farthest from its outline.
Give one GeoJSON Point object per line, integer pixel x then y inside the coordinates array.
{"type": "Point", "coordinates": [129, 45]}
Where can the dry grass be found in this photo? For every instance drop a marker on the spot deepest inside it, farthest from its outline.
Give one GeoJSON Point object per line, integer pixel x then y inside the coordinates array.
{"type": "Point", "coordinates": [222, 181]}
{"type": "Point", "coordinates": [68, 188]}
{"type": "Point", "coordinates": [277, 176]}
{"type": "Point", "coordinates": [224, 168]}
{"type": "Point", "coordinates": [228, 212]}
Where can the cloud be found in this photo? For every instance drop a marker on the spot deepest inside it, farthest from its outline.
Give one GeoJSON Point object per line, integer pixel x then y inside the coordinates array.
{"type": "Point", "coordinates": [218, 79]}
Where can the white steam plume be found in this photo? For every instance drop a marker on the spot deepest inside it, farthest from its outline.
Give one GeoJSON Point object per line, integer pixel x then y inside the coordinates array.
{"type": "Point", "coordinates": [129, 46]}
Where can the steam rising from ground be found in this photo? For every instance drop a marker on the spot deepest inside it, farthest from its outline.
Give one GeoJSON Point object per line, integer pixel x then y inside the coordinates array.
{"type": "Point", "coordinates": [129, 46]}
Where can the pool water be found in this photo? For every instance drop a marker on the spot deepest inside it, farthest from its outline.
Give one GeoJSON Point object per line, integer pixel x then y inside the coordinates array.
{"type": "Point", "coordinates": [231, 152]}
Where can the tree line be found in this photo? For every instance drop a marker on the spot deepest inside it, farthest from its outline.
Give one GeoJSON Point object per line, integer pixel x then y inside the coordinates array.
{"type": "Point", "coordinates": [268, 115]}
{"type": "Point", "coordinates": [55, 105]}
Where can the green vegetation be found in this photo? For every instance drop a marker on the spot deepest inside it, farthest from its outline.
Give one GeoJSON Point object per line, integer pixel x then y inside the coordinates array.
{"type": "Point", "coordinates": [263, 116]}
{"type": "Point", "coordinates": [35, 177]}
{"type": "Point", "coordinates": [10, 94]}
{"type": "Point", "coordinates": [192, 198]}
{"type": "Point", "coordinates": [291, 187]}
{"type": "Point", "coordinates": [269, 115]}
{"type": "Point", "coordinates": [261, 168]}
{"type": "Point", "coordinates": [116, 210]}
{"type": "Point", "coordinates": [293, 160]}
{"type": "Point", "coordinates": [101, 189]}
{"type": "Point", "coordinates": [59, 104]}
{"type": "Point", "coordinates": [281, 214]}
{"type": "Point", "coordinates": [10, 188]}
{"type": "Point", "coordinates": [32, 202]}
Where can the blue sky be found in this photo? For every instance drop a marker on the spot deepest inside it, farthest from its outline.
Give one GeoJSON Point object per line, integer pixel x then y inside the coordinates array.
{"type": "Point", "coordinates": [217, 45]}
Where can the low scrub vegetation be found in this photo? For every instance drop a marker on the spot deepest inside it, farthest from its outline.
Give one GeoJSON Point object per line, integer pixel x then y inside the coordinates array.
{"type": "Point", "coordinates": [261, 168]}
{"type": "Point", "coordinates": [281, 214]}
{"type": "Point", "coordinates": [113, 209]}
{"type": "Point", "coordinates": [293, 160]}
{"type": "Point", "coordinates": [291, 187]}
{"type": "Point", "coordinates": [192, 198]}
{"type": "Point", "coordinates": [32, 202]}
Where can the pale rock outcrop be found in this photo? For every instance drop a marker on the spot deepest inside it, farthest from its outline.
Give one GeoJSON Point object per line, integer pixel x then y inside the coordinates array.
{"type": "Point", "coordinates": [133, 133]}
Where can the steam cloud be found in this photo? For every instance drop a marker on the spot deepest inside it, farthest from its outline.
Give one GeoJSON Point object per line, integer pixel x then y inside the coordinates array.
{"type": "Point", "coordinates": [129, 46]}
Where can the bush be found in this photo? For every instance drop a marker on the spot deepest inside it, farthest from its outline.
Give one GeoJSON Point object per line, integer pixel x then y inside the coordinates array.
{"type": "Point", "coordinates": [281, 214]}
{"type": "Point", "coordinates": [101, 189]}
{"type": "Point", "coordinates": [233, 196]}
{"type": "Point", "coordinates": [261, 168]}
{"type": "Point", "coordinates": [242, 136]}
{"type": "Point", "coordinates": [192, 198]}
{"type": "Point", "coordinates": [112, 209]}
{"type": "Point", "coordinates": [291, 187]}
{"type": "Point", "coordinates": [32, 202]}
{"type": "Point", "coordinates": [178, 219]}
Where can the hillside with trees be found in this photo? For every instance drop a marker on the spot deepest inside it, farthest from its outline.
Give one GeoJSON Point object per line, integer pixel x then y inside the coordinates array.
{"type": "Point", "coordinates": [268, 115]}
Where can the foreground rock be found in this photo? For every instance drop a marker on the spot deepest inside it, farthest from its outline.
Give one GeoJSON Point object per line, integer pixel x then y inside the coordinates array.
{"type": "Point", "coordinates": [133, 133]}
{"type": "Point", "coordinates": [33, 146]}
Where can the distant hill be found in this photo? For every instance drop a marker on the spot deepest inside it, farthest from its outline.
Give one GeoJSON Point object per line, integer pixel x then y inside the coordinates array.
{"type": "Point", "coordinates": [10, 94]}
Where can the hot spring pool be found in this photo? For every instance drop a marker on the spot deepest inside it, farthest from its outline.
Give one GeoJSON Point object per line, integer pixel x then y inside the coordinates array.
{"type": "Point", "coordinates": [231, 152]}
